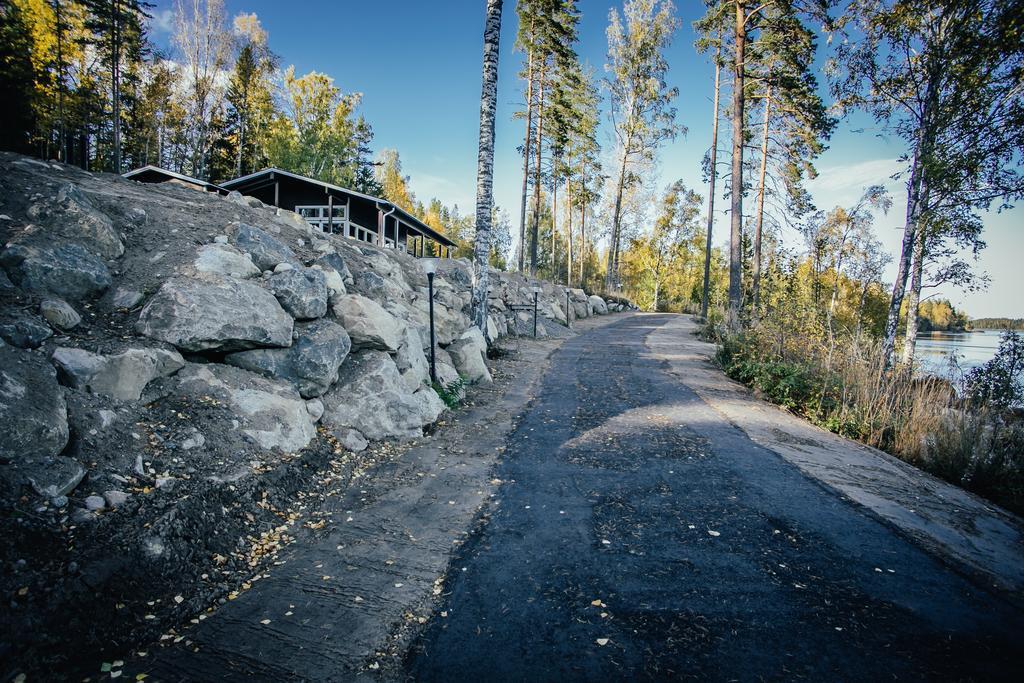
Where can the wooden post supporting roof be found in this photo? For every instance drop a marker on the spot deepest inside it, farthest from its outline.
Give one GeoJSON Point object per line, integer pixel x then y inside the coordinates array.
{"type": "Point", "coordinates": [330, 213]}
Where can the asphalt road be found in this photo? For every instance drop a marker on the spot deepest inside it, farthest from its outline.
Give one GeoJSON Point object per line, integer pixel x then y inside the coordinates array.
{"type": "Point", "coordinates": [639, 534]}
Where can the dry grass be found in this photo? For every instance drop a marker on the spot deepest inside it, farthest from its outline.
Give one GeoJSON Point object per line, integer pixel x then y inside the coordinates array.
{"type": "Point", "coordinates": [841, 385]}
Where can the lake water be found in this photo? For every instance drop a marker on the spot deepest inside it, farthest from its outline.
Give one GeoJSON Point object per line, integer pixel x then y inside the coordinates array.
{"type": "Point", "coordinates": [970, 350]}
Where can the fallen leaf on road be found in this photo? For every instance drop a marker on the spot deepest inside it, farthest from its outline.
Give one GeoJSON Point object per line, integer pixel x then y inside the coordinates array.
{"type": "Point", "coordinates": [265, 621]}
{"type": "Point", "coordinates": [602, 641]}
{"type": "Point", "coordinates": [713, 533]}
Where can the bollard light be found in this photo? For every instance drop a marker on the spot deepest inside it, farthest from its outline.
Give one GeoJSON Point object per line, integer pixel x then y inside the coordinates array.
{"type": "Point", "coordinates": [430, 268]}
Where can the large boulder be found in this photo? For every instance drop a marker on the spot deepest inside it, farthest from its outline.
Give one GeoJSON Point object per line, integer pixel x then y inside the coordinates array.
{"type": "Point", "coordinates": [73, 218]}
{"type": "Point", "coordinates": [412, 361]}
{"type": "Point", "coordinates": [468, 353]}
{"type": "Point", "coordinates": [301, 291]}
{"type": "Point", "coordinates": [215, 314]}
{"type": "Point", "coordinates": [311, 363]}
{"type": "Point", "coordinates": [269, 412]}
{"type": "Point", "coordinates": [369, 325]}
{"type": "Point", "coordinates": [598, 304]}
{"type": "Point", "coordinates": [223, 259]}
{"type": "Point", "coordinates": [372, 397]}
{"type": "Point", "coordinates": [122, 376]}
{"type": "Point", "coordinates": [266, 251]}
{"type": "Point", "coordinates": [33, 414]}
{"type": "Point", "coordinates": [67, 270]}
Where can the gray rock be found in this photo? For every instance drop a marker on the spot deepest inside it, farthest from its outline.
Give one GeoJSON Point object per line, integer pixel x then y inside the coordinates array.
{"type": "Point", "coordinates": [95, 503]}
{"type": "Point", "coordinates": [5, 282]}
{"type": "Point", "coordinates": [598, 305]}
{"type": "Point", "coordinates": [412, 362]}
{"type": "Point", "coordinates": [122, 376]}
{"type": "Point", "coordinates": [469, 353]}
{"type": "Point", "coordinates": [223, 259]}
{"type": "Point", "coordinates": [269, 412]}
{"type": "Point", "coordinates": [281, 267]}
{"type": "Point", "coordinates": [221, 239]}
{"type": "Point", "coordinates": [53, 478]}
{"type": "Point", "coordinates": [73, 218]}
{"type": "Point", "coordinates": [195, 439]}
{"type": "Point", "coordinates": [115, 499]}
{"type": "Point", "coordinates": [336, 262]}
{"type": "Point", "coordinates": [350, 439]}
{"type": "Point", "coordinates": [125, 298]}
{"type": "Point", "coordinates": [369, 325]}
{"type": "Point", "coordinates": [66, 270]}
{"type": "Point", "coordinates": [335, 283]}
{"type": "Point", "coordinates": [221, 314]}
{"type": "Point", "coordinates": [311, 363]}
{"type": "Point", "coordinates": [315, 408]}
{"type": "Point", "coordinates": [24, 332]}
{"type": "Point", "coordinates": [33, 414]}
{"type": "Point", "coordinates": [266, 251]}
{"type": "Point", "coordinates": [60, 314]}
{"type": "Point", "coordinates": [303, 293]}
{"type": "Point", "coordinates": [372, 397]}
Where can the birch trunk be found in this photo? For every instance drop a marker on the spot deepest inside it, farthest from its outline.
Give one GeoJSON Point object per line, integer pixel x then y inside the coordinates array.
{"type": "Point", "coordinates": [736, 191]}
{"type": "Point", "coordinates": [914, 298]}
{"type": "Point", "coordinates": [485, 165]}
{"type": "Point", "coordinates": [711, 189]}
{"type": "Point", "coordinates": [568, 234]}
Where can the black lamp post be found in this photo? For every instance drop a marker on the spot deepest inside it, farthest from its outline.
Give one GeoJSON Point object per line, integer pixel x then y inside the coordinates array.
{"type": "Point", "coordinates": [568, 319]}
{"type": "Point", "coordinates": [430, 268]}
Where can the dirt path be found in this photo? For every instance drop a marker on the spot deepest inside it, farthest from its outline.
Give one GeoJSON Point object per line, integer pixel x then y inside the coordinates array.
{"type": "Point", "coordinates": [343, 599]}
{"type": "Point", "coordinates": [642, 532]}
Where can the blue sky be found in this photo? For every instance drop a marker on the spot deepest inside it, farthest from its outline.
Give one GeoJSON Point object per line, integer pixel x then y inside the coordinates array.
{"type": "Point", "coordinates": [418, 67]}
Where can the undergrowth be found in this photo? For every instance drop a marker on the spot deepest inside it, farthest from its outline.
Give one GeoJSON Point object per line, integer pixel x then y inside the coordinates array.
{"type": "Point", "coordinates": [452, 393]}
{"type": "Point", "coordinates": [970, 433]}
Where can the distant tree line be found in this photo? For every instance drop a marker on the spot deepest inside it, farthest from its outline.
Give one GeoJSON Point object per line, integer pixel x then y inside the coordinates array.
{"type": "Point", "coordinates": [997, 324]}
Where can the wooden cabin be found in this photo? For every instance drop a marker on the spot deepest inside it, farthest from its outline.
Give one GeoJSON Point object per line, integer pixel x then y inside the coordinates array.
{"type": "Point", "coordinates": [338, 210]}
{"type": "Point", "coordinates": [327, 207]}
{"type": "Point", "coordinates": [155, 174]}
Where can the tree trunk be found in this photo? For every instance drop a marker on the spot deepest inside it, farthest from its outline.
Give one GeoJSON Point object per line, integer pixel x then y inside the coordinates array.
{"type": "Point", "coordinates": [485, 165]}
{"type": "Point", "coordinates": [115, 80]}
{"type": "Point", "coordinates": [521, 261]}
{"type": "Point", "coordinates": [613, 246]}
{"type": "Point", "coordinates": [914, 297]}
{"type": "Point", "coordinates": [568, 233]}
{"type": "Point", "coordinates": [62, 154]}
{"type": "Point", "coordinates": [554, 218]}
{"type": "Point", "coordinates": [583, 238]}
{"type": "Point", "coordinates": [711, 190]}
{"type": "Point", "coordinates": [917, 199]}
{"type": "Point", "coordinates": [736, 191]}
{"type": "Point", "coordinates": [760, 201]}
{"type": "Point", "coordinates": [535, 228]}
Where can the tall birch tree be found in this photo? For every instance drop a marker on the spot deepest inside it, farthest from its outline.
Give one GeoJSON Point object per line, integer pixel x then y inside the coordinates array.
{"type": "Point", "coordinates": [485, 165]}
{"type": "Point", "coordinates": [642, 114]}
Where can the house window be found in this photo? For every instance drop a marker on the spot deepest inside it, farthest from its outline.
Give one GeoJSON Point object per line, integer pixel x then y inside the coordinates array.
{"type": "Point", "coordinates": [319, 216]}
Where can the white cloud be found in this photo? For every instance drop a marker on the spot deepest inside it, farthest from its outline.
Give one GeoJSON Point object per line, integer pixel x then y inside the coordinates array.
{"type": "Point", "coordinates": [161, 22]}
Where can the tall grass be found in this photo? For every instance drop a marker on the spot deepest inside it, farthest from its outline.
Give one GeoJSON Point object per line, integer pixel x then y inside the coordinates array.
{"type": "Point", "coordinates": [840, 384]}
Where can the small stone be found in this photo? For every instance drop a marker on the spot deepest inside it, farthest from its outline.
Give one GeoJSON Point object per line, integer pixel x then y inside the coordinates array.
{"type": "Point", "coordinates": [59, 314]}
{"type": "Point", "coordinates": [315, 408]}
{"type": "Point", "coordinates": [125, 298]}
{"type": "Point", "coordinates": [350, 439]}
{"type": "Point", "coordinates": [281, 267]}
{"type": "Point", "coordinates": [220, 239]}
{"type": "Point", "coordinates": [94, 503]}
{"type": "Point", "coordinates": [115, 499]}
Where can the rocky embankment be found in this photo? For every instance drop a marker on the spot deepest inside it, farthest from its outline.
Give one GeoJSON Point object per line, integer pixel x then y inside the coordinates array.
{"type": "Point", "coordinates": [176, 369]}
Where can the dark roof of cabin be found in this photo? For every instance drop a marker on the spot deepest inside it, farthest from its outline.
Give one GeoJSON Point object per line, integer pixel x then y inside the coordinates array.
{"type": "Point", "coordinates": [156, 174]}
{"type": "Point", "coordinates": [242, 183]}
